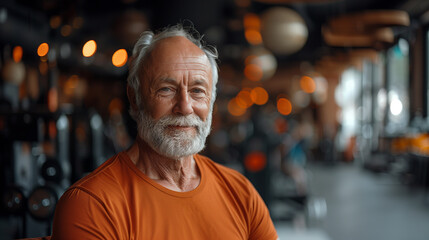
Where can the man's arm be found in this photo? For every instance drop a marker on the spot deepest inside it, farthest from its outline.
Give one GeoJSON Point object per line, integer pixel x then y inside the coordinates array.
{"type": "Point", "coordinates": [81, 215]}
{"type": "Point", "coordinates": [261, 226]}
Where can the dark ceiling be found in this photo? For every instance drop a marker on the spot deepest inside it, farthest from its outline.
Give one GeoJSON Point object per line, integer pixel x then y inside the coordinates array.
{"type": "Point", "coordinates": [219, 20]}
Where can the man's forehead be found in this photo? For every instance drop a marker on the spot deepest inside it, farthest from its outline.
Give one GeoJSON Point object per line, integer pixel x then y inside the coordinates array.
{"type": "Point", "coordinates": [177, 45]}
{"type": "Point", "coordinates": [196, 63]}
{"type": "Point", "coordinates": [178, 53]}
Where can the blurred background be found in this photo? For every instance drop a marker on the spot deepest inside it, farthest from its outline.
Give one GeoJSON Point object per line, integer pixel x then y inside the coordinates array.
{"type": "Point", "coordinates": [322, 104]}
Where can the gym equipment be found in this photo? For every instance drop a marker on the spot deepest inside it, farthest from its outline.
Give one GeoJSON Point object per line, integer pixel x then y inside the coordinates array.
{"type": "Point", "coordinates": [52, 171]}
{"type": "Point", "coordinates": [41, 202]}
{"type": "Point", "coordinates": [13, 203]}
{"type": "Point", "coordinates": [13, 200]}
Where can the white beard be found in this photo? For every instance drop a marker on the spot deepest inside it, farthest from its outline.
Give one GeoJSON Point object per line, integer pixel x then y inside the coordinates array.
{"type": "Point", "coordinates": [172, 143]}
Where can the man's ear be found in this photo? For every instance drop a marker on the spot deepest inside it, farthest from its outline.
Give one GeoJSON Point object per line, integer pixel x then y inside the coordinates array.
{"type": "Point", "coordinates": [131, 97]}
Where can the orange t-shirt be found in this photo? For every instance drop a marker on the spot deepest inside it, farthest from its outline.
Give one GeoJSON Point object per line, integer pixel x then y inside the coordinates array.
{"type": "Point", "coordinates": [118, 201]}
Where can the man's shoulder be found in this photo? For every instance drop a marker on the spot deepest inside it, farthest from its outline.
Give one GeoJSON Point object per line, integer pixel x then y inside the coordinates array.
{"type": "Point", "coordinates": [217, 166]}
{"type": "Point", "coordinates": [224, 173]}
{"type": "Point", "coordinates": [106, 176]}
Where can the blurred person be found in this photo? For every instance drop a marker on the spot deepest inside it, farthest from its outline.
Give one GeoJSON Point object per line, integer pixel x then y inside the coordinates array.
{"type": "Point", "coordinates": [161, 188]}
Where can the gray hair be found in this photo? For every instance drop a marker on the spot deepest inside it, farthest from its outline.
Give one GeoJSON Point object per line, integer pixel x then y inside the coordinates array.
{"type": "Point", "coordinates": [146, 43]}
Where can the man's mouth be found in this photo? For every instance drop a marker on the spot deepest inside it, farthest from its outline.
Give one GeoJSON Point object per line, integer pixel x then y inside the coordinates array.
{"type": "Point", "coordinates": [183, 128]}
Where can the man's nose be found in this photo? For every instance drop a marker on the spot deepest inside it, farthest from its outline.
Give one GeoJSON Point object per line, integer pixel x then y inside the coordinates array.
{"type": "Point", "coordinates": [184, 103]}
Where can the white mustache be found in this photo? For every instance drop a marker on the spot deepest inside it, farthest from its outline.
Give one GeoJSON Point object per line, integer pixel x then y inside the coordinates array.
{"type": "Point", "coordinates": [182, 121]}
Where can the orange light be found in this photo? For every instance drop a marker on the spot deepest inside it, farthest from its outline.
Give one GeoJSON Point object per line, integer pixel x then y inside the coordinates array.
{"type": "Point", "coordinates": [307, 84]}
{"type": "Point", "coordinates": [89, 48]}
{"type": "Point", "coordinates": [53, 99]}
{"type": "Point", "coordinates": [17, 54]}
{"type": "Point", "coordinates": [284, 106]}
{"type": "Point", "coordinates": [234, 109]}
{"type": "Point", "coordinates": [253, 72]}
{"type": "Point", "coordinates": [55, 22]}
{"type": "Point", "coordinates": [253, 36]}
{"type": "Point", "coordinates": [115, 106]}
{"type": "Point", "coordinates": [243, 98]}
{"type": "Point", "coordinates": [252, 21]}
{"type": "Point", "coordinates": [43, 49]}
{"type": "Point", "coordinates": [119, 58]}
{"type": "Point", "coordinates": [259, 96]}
{"type": "Point", "coordinates": [70, 85]}
{"type": "Point", "coordinates": [66, 30]}
{"type": "Point", "coordinates": [249, 59]}
{"type": "Point", "coordinates": [255, 161]}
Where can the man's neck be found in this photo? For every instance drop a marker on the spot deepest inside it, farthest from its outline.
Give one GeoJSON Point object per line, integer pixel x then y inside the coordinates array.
{"type": "Point", "coordinates": [181, 175]}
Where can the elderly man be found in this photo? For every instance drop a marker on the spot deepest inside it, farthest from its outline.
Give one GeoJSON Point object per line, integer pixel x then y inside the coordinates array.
{"type": "Point", "coordinates": [161, 188]}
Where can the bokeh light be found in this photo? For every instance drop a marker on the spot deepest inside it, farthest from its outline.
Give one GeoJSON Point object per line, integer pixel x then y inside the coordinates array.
{"type": "Point", "coordinates": [284, 106]}
{"type": "Point", "coordinates": [116, 106]}
{"type": "Point", "coordinates": [53, 99]}
{"type": "Point", "coordinates": [119, 58]}
{"type": "Point", "coordinates": [235, 109]}
{"type": "Point", "coordinates": [55, 22]}
{"type": "Point", "coordinates": [252, 21]}
{"type": "Point", "coordinates": [255, 161]}
{"type": "Point", "coordinates": [396, 107]}
{"type": "Point", "coordinates": [252, 27]}
{"type": "Point", "coordinates": [66, 30]}
{"type": "Point", "coordinates": [253, 72]}
{"type": "Point", "coordinates": [89, 48]}
{"type": "Point", "coordinates": [70, 85]}
{"type": "Point", "coordinates": [253, 36]}
{"type": "Point", "coordinates": [243, 98]}
{"type": "Point", "coordinates": [17, 54]}
{"type": "Point", "coordinates": [259, 96]}
{"type": "Point", "coordinates": [249, 59]}
{"type": "Point", "coordinates": [43, 49]}
{"type": "Point", "coordinates": [264, 59]}
{"type": "Point", "coordinates": [307, 84]}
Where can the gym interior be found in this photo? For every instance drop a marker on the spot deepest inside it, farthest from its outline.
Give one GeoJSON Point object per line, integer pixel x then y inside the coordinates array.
{"type": "Point", "coordinates": [322, 104]}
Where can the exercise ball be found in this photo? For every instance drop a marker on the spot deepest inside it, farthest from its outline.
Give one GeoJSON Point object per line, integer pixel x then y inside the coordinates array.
{"type": "Point", "coordinates": [283, 30]}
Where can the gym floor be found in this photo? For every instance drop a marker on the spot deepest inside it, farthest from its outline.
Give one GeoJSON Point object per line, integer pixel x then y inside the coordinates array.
{"type": "Point", "coordinates": [354, 204]}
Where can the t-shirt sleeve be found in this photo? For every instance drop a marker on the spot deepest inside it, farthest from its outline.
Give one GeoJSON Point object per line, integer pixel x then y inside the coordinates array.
{"type": "Point", "coordinates": [261, 225]}
{"type": "Point", "coordinates": [80, 215]}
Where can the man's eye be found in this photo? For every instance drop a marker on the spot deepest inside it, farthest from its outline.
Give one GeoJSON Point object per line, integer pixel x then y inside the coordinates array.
{"type": "Point", "coordinates": [165, 89]}
{"type": "Point", "coordinates": [198, 90]}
